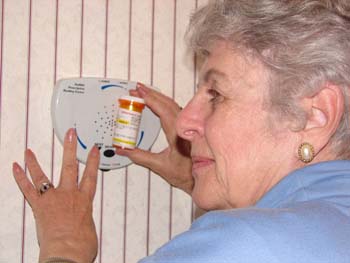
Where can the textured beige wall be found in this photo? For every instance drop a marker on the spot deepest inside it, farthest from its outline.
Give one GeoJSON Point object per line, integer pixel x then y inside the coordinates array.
{"type": "Point", "coordinates": [44, 40]}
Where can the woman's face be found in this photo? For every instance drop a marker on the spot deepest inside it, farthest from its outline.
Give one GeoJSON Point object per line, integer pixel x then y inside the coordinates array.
{"type": "Point", "coordinates": [236, 155]}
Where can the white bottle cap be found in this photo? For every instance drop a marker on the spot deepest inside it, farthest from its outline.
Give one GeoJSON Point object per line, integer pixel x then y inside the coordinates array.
{"type": "Point", "coordinates": [132, 98]}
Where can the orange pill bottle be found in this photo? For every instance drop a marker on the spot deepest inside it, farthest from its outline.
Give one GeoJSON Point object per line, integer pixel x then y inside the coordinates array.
{"type": "Point", "coordinates": [128, 122]}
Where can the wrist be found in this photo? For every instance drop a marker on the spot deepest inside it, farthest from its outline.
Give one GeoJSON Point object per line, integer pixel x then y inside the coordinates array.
{"type": "Point", "coordinates": [66, 251]}
{"type": "Point", "coordinates": [58, 260]}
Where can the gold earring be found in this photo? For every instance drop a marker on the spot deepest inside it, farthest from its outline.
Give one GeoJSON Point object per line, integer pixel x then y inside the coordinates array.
{"type": "Point", "coordinates": [306, 152]}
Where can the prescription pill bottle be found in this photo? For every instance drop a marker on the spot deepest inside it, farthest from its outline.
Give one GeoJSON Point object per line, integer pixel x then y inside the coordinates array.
{"type": "Point", "coordinates": [128, 122]}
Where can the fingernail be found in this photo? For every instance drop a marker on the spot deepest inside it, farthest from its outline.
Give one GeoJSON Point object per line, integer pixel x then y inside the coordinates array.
{"type": "Point", "coordinates": [134, 93]}
{"type": "Point", "coordinates": [28, 151]}
{"type": "Point", "coordinates": [95, 151]}
{"type": "Point", "coordinates": [16, 168]}
{"type": "Point", "coordinates": [71, 134]}
{"type": "Point", "coordinates": [122, 152]}
{"type": "Point", "coordinates": [142, 89]}
{"type": "Point", "coordinates": [27, 154]}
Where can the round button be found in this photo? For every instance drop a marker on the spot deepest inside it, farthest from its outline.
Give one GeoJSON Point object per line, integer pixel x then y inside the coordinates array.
{"type": "Point", "coordinates": [109, 153]}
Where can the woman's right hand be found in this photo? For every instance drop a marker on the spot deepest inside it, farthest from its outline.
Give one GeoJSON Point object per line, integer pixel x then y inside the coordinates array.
{"type": "Point", "coordinates": [173, 163]}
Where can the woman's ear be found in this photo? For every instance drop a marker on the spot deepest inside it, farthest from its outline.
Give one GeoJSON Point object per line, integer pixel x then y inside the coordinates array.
{"type": "Point", "coordinates": [324, 112]}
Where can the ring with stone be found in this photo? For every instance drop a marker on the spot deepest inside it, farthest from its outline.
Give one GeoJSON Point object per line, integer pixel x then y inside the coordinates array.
{"type": "Point", "coordinates": [44, 187]}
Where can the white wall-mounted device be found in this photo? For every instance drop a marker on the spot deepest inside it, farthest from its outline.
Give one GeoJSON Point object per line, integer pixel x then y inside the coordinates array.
{"type": "Point", "coordinates": [90, 105]}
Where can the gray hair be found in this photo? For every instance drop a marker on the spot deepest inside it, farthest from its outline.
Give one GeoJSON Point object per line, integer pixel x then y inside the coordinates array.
{"type": "Point", "coordinates": [303, 43]}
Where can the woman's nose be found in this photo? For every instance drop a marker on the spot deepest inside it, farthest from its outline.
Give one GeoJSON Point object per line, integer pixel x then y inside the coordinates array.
{"type": "Point", "coordinates": [190, 121]}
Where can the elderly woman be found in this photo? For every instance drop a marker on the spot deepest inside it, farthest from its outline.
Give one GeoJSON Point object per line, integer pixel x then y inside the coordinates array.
{"type": "Point", "coordinates": [268, 131]}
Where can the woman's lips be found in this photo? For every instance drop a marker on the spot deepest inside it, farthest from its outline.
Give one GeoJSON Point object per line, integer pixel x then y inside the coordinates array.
{"type": "Point", "coordinates": [200, 162]}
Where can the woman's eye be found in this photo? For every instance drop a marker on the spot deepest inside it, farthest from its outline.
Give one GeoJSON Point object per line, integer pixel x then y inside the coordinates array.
{"type": "Point", "coordinates": [214, 95]}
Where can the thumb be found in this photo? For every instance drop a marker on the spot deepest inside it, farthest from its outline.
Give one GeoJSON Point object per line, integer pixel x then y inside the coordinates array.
{"type": "Point", "coordinates": [141, 157]}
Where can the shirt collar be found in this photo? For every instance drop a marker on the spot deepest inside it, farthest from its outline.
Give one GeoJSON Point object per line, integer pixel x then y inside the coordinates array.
{"type": "Point", "coordinates": [326, 180]}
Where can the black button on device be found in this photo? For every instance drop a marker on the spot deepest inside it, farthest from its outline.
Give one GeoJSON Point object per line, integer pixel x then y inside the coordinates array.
{"type": "Point", "coordinates": [109, 153]}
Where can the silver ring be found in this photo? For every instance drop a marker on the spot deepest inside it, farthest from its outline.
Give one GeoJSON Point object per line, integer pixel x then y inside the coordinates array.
{"type": "Point", "coordinates": [45, 187]}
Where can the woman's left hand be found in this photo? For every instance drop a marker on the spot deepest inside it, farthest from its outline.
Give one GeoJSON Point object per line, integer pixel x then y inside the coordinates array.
{"type": "Point", "coordinates": [63, 215]}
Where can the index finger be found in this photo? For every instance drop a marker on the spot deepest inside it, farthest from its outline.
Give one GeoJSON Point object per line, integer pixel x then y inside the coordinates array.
{"type": "Point", "coordinates": [89, 180]}
{"type": "Point", "coordinates": [163, 106]}
{"type": "Point", "coordinates": [69, 173]}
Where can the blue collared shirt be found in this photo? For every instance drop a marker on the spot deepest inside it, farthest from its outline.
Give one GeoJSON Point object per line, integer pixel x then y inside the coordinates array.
{"type": "Point", "coordinates": [305, 218]}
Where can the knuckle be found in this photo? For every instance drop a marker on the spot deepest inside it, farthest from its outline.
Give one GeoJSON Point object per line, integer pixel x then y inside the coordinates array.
{"type": "Point", "coordinates": [70, 167]}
